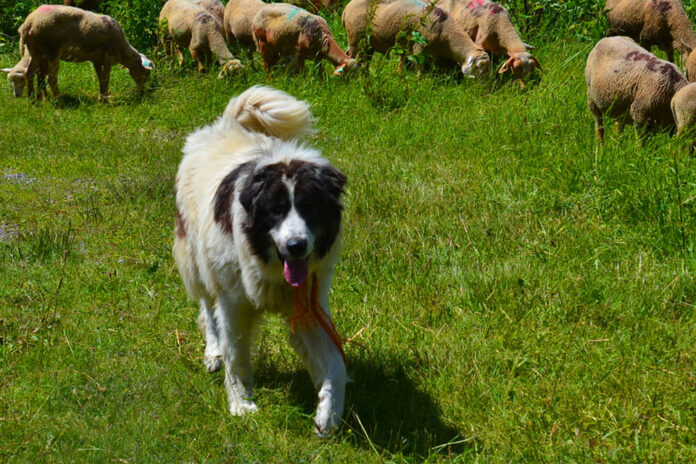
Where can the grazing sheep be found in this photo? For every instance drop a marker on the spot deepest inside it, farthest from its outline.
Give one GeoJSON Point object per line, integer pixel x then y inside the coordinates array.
{"type": "Point", "coordinates": [237, 21]}
{"type": "Point", "coordinates": [653, 22]}
{"type": "Point", "coordinates": [281, 29]}
{"type": "Point", "coordinates": [189, 25]}
{"type": "Point", "coordinates": [84, 4]}
{"type": "Point", "coordinates": [446, 40]}
{"type": "Point", "coordinates": [53, 32]}
{"type": "Point", "coordinates": [490, 27]}
{"type": "Point", "coordinates": [684, 108]}
{"type": "Point", "coordinates": [624, 80]}
{"type": "Point", "coordinates": [16, 74]}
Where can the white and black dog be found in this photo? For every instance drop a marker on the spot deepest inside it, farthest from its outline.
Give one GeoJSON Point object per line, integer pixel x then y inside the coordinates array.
{"type": "Point", "coordinates": [258, 217]}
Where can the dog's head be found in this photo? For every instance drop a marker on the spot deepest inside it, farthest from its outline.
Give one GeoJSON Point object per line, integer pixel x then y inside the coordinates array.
{"type": "Point", "coordinates": [293, 213]}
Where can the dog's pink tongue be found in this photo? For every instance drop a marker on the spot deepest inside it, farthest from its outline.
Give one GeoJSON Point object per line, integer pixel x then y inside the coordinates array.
{"type": "Point", "coordinates": [295, 272]}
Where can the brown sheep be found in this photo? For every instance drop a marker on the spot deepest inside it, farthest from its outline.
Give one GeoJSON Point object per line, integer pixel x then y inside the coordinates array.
{"type": "Point", "coordinates": [624, 80]}
{"type": "Point", "coordinates": [53, 32]}
{"type": "Point", "coordinates": [490, 27]}
{"type": "Point", "coordinates": [446, 39]}
{"type": "Point", "coordinates": [653, 22]}
{"type": "Point", "coordinates": [281, 29]}
{"type": "Point", "coordinates": [192, 27]}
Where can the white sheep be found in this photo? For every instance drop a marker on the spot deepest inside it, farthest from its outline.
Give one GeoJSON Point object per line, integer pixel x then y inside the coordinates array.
{"type": "Point", "coordinates": [191, 26]}
{"type": "Point", "coordinates": [54, 32]}
{"type": "Point", "coordinates": [386, 21]}
{"type": "Point", "coordinates": [281, 30]}
{"type": "Point", "coordinates": [626, 81]}
{"type": "Point", "coordinates": [490, 27]}
{"type": "Point", "coordinates": [653, 22]}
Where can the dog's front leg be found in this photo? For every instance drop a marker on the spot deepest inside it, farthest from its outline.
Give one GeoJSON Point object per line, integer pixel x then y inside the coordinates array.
{"type": "Point", "coordinates": [328, 372]}
{"type": "Point", "coordinates": [209, 329]}
{"type": "Point", "coordinates": [236, 320]}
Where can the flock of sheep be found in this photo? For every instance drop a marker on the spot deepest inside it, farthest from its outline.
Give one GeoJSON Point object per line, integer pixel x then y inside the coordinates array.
{"type": "Point", "coordinates": [461, 32]}
{"type": "Point", "coordinates": [623, 79]}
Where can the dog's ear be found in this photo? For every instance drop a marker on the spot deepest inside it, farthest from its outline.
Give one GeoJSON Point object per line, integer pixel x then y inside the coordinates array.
{"type": "Point", "coordinates": [334, 179]}
{"type": "Point", "coordinates": [251, 192]}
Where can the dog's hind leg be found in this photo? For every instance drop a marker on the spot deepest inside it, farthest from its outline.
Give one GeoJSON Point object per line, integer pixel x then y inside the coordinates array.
{"type": "Point", "coordinates": [328, 372]}
{"type": "Point", "coordinates": [209, 329]}
{"type": "Point", "coordinates": [236, 323]}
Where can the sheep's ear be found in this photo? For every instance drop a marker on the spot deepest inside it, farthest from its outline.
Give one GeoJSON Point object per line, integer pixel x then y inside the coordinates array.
{"type": "Point", "coordinates": [688, 47]}
{"type": "Point", "coordinates": [536, 63]}
{"type": "Point", "coordinates": [147, 64]}
{"type": "Point", "coordinates": [6, 70]}
{"type": "Point", "coordinates": [529, 47]}
{"type": "Point", "coordinates": [507, 66]}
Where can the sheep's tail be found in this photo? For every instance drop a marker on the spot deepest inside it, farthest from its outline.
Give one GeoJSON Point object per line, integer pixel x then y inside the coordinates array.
{"type": "Point", "coordinates": [269, 111]}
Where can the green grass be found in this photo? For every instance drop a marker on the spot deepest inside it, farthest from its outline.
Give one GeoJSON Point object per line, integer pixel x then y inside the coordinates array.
{"type": "Point", "coordinates": [515, 293]}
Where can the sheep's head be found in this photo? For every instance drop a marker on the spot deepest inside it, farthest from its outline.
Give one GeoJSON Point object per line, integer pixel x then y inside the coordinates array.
{"type": "Point", "coordinates": [684, 108]}
{"type": "Point", "coordinates": [140, 69]}
{"type": "Point", "coordinates": [347, 67]}
{"type": "Point", "coordinates": [521, 64]}
{"type": "Point", "coordinates": [17, 77]}
{"type": "Point", "coordinates": [230, 66]}
{"type": "Point", "coordinates": [477, 65]}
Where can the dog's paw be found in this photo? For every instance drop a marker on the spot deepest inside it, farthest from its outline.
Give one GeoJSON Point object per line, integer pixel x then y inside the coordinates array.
{"type": "Point", "coordinates": [212, 363]}
{"type": "Point", "coordinates": [243, 407]}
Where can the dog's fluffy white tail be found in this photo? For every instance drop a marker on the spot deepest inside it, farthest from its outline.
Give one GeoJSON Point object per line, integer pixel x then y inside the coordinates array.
{"type": "Point", "coordinates": [269, 111]}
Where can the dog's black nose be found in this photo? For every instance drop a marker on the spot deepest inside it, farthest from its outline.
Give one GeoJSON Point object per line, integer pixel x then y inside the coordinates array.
{"type": "Point", "coordinates": [297, 247]}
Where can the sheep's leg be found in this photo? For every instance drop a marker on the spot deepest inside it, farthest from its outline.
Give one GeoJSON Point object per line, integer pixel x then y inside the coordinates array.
{"type": "Point", "coordinates": [179, 55]}
{"type": "Point", "coordinates": [236, 321]}
{"type": "Point", "coordinates": [53, 68]}
{"type": "Point", "coordinates": [41, 78]}
{"type": "Point", "coordinates": [300, 62]}
{"type": "Point", "coordinates": [670, 53]}
{"type": "Point", "coordinates": [199, 59]}
{"type": "Point", "coordinates": [29, 75]}
{"type": "Point", "coordinates": [250, 57]}
{"type": "Point", "coordinates": [599, 122]}
{"type": "Point", "coordinates": [269, 55]}
{"type": "Point", "coordinates": [103, 74]}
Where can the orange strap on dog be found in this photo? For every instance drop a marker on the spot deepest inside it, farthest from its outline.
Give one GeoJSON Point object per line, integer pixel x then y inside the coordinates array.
{"type": "Point", "coordinates": [307, 313]}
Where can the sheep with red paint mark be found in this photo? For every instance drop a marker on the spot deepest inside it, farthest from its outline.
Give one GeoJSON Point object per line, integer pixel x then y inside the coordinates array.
{"type": "Point", "coordinates": [663, 23]}
{"type": "Point", "coordinates": [191, 26]}
{"type": "Point", "coordinates": [54, 32]}
{"type": "Point", "coordinates": [628, 82]}
{"type": "Point", "coordinates": [490, 27]}
{"type": "Point", "coordinates": [387, 20]}
{"type": "Point", "coordinates": [282, 30]}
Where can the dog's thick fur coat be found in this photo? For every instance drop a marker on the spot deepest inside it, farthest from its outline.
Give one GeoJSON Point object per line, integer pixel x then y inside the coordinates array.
{"type": "Point", "coordinates": [258, 215]}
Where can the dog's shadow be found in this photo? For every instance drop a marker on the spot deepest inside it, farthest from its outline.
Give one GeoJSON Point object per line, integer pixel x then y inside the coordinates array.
{"type": "Point", "coordinates": [384, 408]}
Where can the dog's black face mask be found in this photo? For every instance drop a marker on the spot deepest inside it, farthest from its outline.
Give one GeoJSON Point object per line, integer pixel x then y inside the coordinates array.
{"type": "Point", "coordinates": [278, 193]}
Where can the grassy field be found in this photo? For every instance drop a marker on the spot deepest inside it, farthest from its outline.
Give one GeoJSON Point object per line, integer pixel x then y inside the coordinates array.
{"type": "Point", "coordinates": [511, 291]}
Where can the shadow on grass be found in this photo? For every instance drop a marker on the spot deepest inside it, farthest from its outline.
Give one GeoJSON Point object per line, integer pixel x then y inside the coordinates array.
{"type": "Point", "coordinates": [385, 411]}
